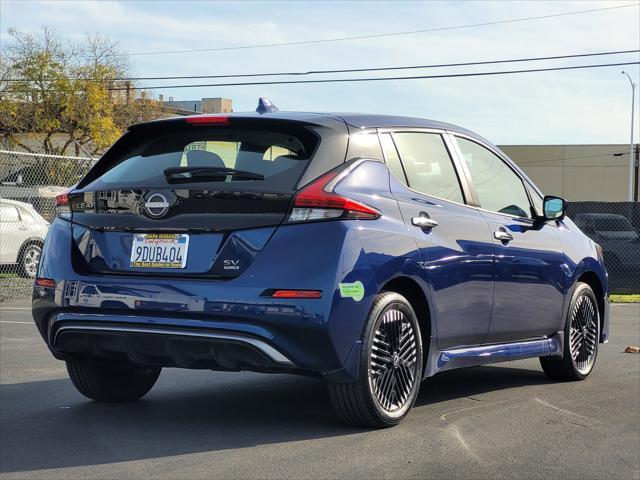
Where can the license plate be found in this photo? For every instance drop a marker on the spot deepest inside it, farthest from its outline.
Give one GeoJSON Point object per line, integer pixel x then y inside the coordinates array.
{"type": "Point", "coordinates": [159, 250]}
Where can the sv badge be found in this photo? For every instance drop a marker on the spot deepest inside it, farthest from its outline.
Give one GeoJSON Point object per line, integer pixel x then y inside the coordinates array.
{"type": "Point", "coordinates": [231, 264]}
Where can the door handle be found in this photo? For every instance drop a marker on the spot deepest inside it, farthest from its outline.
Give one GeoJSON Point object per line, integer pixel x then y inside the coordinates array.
{"type": "Point", "coordinates": [502, 235]}
{"type": "Point", "coordinates": [424, 221]}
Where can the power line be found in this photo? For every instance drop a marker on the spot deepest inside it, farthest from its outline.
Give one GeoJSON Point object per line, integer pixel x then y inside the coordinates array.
{"type": "Point", "coordinates": [374, 79]}
{"type": "Point", "coordinates": [360, 70]}
{"type": "Point", "coordinates": [534, 162]}
{"type": "Point", "coordinates": [382, 35]}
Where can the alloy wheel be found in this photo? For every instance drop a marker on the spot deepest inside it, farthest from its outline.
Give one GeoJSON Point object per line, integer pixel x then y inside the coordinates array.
{"type": "Point", "coordinates": [30, 260]}
{"type": "Point", "coordinates": [583, 334]}
{"type": "Point", "coordinates": [393, 362]}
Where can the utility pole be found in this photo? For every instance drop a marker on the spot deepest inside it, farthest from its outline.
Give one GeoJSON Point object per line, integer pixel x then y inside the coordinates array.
{"type": "Point", "coordinates": [631, 156]}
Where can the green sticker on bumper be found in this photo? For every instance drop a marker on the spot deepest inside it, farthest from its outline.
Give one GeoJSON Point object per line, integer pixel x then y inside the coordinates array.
{"type": "Point", "coordinates": [353, 290]}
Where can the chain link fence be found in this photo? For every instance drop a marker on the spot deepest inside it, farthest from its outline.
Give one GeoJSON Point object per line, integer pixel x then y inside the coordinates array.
{"type": "Point", "coordinates": [615, 226]}
{"type": "Point", "coordinates": [30, 182]}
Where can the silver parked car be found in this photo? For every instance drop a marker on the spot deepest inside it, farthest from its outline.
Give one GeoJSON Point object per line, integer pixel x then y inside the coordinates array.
{"type": "Point", "coordinates": [22, 232]}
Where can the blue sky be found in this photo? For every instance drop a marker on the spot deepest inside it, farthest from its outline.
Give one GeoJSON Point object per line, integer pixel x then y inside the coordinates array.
{"type": "Point", "coordinates": [579, 106]}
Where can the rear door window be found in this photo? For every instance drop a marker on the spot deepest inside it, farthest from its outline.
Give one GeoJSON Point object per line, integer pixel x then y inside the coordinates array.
{"type": "Point", "coordinates": [266, 160]}
{"type": "Point", "coordinates": [428, 166]}
{"type": "Point", "coordinates": [392, 158]}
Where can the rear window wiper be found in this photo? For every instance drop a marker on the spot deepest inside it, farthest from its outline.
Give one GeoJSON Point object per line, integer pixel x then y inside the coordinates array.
{"type": "Point", "coordinates": [203, 174]}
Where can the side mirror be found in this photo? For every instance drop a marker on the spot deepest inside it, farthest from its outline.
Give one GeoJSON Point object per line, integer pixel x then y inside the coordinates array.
{"type": "Point", "coordinates": [554, 208]}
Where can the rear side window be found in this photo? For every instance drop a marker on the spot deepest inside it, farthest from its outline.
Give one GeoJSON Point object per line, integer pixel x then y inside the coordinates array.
{"type": "Point", "coordinates": [428, 166]}
{"type": "Point", "coordinates": [265, 159]}
{"type": "Point", "coordinates": [499, 188]}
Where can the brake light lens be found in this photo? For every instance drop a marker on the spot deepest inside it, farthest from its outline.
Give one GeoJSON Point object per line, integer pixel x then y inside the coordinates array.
{"type": "Point", "coordinates": [62, 200]}
{"type": "Point", "coordinates": [63, 204]}
{"type": "Point", "coordinates": [204, 120]}
{"type": "Point", "coordinates": [317, 201]}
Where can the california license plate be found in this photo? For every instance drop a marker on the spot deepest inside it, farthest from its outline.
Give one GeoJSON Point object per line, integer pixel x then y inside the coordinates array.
{"type": "Point", "coordinates": [159, 250]}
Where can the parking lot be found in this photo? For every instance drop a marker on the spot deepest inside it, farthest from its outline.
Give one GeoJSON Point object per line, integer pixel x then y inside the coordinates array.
{"type": "Point", "coordinates": [479, 422]}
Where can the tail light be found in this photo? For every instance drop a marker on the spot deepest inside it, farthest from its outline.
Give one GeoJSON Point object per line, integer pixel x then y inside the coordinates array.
{"type": "Point", "coordinates": [63, 204]}
{"type": "Point", "coordinates": [46, 282]}
{"type": "Point", "coordinates": [317, 201]}
{"type": "Point", "coordinates": [205, 120]}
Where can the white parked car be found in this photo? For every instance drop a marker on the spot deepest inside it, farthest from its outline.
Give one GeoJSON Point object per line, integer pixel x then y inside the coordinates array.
{"type": "Point", "coordinates": [79, 294]}
{"type": "Point", "coordinates": [22, 232]}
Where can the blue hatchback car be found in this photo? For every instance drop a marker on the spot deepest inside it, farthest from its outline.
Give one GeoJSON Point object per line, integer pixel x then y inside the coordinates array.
{"type": "Point", "coordinates": [368, 251]}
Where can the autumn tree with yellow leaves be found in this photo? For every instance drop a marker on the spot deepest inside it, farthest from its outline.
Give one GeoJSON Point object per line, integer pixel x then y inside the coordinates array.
{"type": "Point", "coordinates": [60, 96]}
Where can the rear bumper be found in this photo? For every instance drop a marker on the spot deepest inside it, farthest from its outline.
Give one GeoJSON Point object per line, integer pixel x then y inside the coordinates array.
{"type": "Point", "coordinates": [187, 340]}
{"type": "Point", "coordinates": [73, 335]}
{"type": "Point", "coordinates": [227, 325]}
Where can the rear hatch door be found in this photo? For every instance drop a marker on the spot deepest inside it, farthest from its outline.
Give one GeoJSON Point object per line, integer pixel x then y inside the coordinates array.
{"type": "Point", "coordinates": [190, 197]}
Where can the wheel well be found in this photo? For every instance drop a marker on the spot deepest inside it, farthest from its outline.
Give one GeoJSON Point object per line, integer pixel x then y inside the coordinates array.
{"type": "Point", "coordinates": [591, 279]}
{"type": "Point", "coordinates": [410, 290]}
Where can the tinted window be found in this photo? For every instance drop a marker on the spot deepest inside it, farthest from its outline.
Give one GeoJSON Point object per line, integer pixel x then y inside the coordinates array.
{"type": "Point", "coordinates": [280, 157]}
{"type": "Point", "coordinates": [499, 188]}
{"type": "Point", "coordinates": [9, 213]}
{"type": "Point", "coordinates": [428, 165]}
{"type": "Point", "coordinates": [89, 290]}
{"type": "Point", "coordinates": [391, 155]}
{"type": "Point", "coordinates": [365, 145]}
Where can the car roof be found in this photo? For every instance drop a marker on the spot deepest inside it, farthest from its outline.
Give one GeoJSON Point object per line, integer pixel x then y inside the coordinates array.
{"type": "Point", "coordinates": [356, 120]}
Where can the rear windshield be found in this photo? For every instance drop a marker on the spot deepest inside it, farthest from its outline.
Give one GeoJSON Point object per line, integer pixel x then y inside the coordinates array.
{"type": "Point", "coordinates": [264, 159]}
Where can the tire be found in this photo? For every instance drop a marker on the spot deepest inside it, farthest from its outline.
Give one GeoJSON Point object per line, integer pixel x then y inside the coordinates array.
{"type": "Point", "coordinates": [388, 383]}
{"type": "Point", "coordinates": [581, 338]}
{"type": "Point", "coordinates": [104, 381]}
{"type": "Point", "coordinates": [29, 258]}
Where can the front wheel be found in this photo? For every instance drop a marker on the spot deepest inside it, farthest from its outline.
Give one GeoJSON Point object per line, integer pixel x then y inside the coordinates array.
{"type": "Point", "coordinates": [390, 367]}
{"type": "Point", "coordinates": [581, 338]}
{"type": "Point", "coordinates": [106, 381]}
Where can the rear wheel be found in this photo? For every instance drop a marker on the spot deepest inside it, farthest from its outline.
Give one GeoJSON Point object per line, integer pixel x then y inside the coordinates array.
{"type": "Point", "coordinates": [581, 338]}
{"type": "Point", "coordinates": [29, 258]}
{"type": "Point", "coordinates": [109, 381]}
{"type": "Point", "coordinates": [390, 367]}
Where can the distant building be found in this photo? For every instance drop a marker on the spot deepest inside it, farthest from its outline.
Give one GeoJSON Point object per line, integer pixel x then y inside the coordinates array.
{"type": "Point", "coordinates": [190, 107]}
{"type": "Point", "coordinates": [578, 172]}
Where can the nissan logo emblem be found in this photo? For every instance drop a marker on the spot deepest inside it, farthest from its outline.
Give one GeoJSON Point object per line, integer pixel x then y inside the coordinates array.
{"type": "Point", "coordinates": [156, 205]}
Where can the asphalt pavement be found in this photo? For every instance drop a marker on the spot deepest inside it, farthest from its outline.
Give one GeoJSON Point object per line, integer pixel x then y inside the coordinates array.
{"type": "Point", "coordinates": [501, 421]}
